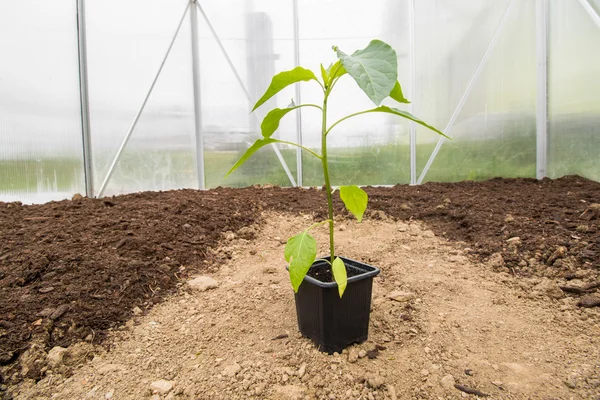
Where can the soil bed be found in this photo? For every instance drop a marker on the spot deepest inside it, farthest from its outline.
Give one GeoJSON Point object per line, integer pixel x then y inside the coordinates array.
{"type": "Point", "coordinates": [71, 271]}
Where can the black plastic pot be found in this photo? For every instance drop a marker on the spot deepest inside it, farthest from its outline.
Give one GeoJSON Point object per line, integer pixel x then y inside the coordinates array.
{"type": "Point", "coordinates": [334, 323]}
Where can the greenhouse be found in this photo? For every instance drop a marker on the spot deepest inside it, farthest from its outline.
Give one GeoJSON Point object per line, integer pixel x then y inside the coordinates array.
{"type": "Point", "coordinates": [299, 199]}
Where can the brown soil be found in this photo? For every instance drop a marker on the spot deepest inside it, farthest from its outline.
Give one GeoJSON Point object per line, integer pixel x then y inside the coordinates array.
{"type": "Point", "coordinates": [73, 270]}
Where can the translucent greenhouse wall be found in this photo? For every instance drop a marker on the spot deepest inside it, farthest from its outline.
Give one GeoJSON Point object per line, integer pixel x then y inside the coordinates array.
{"type": "Point", "coordinates": [166, 88]}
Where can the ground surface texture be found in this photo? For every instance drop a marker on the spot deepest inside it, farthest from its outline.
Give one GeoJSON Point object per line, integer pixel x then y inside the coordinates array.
{"type": "Point", "coordinates": [481, 264]}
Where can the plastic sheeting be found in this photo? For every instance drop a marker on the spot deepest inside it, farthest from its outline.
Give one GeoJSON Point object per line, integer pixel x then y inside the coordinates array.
{"type": "Point", "coordinates": [241, 44]}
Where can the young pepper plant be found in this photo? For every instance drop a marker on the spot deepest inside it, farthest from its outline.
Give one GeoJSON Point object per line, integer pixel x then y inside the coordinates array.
{"type": "Point", "coordinates": [375, 70]}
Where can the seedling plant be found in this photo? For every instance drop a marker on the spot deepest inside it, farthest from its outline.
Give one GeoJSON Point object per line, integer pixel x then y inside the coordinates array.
{"type": "Point", "coordinates": [375, 70]}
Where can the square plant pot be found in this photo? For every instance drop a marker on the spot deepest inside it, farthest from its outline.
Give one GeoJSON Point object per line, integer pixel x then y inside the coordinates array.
{"type": "Point", "coordinates": [334, 323]}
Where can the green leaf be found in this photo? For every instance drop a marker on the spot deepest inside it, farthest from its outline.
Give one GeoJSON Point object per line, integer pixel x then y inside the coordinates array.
{"type": "Point", "coordinates": [271, 122]}
{"type": "Point", "coordinates": [284, 79]}
{"type": "Point", "coordinates": [336, 69]}
{"type": "Point", "coordinates": [397, 94]}
{"type": "Point", "coordinates": [355, 199]}
{"type": "Point", "coordinates": [407, 115]}
{"type": "Point", "coordinates": [324, 74]}
{"type": "Point", "coordinates": [300, 251]}
{"type": "Point", "coordinates": [253, 149]}
{"type": "Point", "coordinates": [374, 68]}
{"type": "Point", "coordinates": [339, 274]}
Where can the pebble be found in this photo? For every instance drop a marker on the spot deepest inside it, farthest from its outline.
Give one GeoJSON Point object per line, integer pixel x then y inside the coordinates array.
{"type": "Point", "coordinates": [401, 296]}
{"type": "Point", "coordinates": [55, 356]}
{"type": "Point", "coordinates": [46, 289]}
{"type": "Point", "coordinates": [362, 354]}
{"type": "Point", "coordinates": [424, 372]}
{"type": "Point", "coordinates": [448, 382]}
{"type": "Point", "coordinates": [232, 370]}
{"type": "Point", "coordinates": [375, 381]}
{"type": "Point", "coordinates": [301, 370]}
{"type": "Point", "coordinates": [203, 283]}
{"type": "Point", "coordinates": [509, 218]}
{"type": "Point", "coordinates": [137, 311]}
{"type": "Point", "coordinates": [59, 312]}
{"type": "Point", "coordinates": [353, 355]}
{"type": "Point", "coordinates": [109, 395]}
{"type": "Point", "coordinates": [161, 386]}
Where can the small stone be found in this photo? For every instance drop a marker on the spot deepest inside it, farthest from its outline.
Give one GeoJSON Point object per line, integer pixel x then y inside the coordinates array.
{"type": "Point", "coordinates": [232, 370]}
{"type": "Point", "coordinates": [589, 301]}
{"type": "Point", "coordinates": [106, 368]}
{"type": "Point", "coordinates": [353, 355]}
{"type": "Point", "coordinates": [392, 392]}
{"type": "Point", "coordinates": [47, 289]}
{"type": "Point", "coordinates": [109, 395]}
{"type": "Point", "coordinates": [301, 370]}
{"type": "Point", "coordinates": [55, 356]}
{"type": "Point", "coordinates": [186, 226]}
{"type": "Point", "coordinates": [77, 197]}
{"type": "Point", "coordinates": [496, 261]}
{"type": "Point", "coordinates": [497, 383]}
{"type": "Point", "coordinates": [203, 283]}
{"type": "Point", "coordinates": [424, 372]}
{"type": "Point", "coordinates": [571, 381]}
{"type": "Point", "coordinates": [401, 296]}
{"type": "Point", "coordinates": [509, 218]}
{"type": "Point", "coordinates": [582, 228]}
{"type": "Point", "coordinates": [46, 312]}
{"type": "Point", "coordinates": [515, 241]}
{"type": "Point", "coordinates": [59, 312]}
{"type": "Point", "coordinates": [161, 386]}
{"type": "Point", "coordinates": [375, 381]}
{"type": "Point", "coordinates": [448, 382]}
{"type": "Point", "coordinates": [137, 311]}
{"type": "Point", "coordinates": [549, 288]}
{"type": "Point", "coordinates": [403, 228]}
{"type": "Point", "coordinates": [362, 354]}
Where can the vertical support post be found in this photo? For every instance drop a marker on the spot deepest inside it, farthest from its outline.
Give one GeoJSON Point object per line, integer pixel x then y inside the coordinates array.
{"type": "Point", "coordinates": [413, 81]}
{"type": "Point", "coordinates": [298, 98]}
{"type": "Point", "coordinates": [197, 98]}
{"type": "Point", "coordinates": [542, 88]}
{"type": "Point", "coordinates": [84, 100]}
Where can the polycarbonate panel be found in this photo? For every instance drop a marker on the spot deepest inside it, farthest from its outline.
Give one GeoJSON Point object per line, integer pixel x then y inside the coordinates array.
{"type": "Point", "coordinates": [368, 149]}
{"type": "Point", "coordinates": [40, 124]}
{"type": "Point", "coordinates": [494, 133]}
{"type": "Point", "coordinates": [257, 36]}
{"type": "Point", "coordinates": [124, 57]}
{"type": "Point", "coordinates": [574, 84]}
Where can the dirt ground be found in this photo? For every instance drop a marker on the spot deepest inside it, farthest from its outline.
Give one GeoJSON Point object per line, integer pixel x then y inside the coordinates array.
{"type": "Point", "coordinates": [500, 279]}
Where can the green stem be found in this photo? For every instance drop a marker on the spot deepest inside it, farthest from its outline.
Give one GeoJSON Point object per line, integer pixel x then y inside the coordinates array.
{"type": "Point", "coordinates": [326, 175]}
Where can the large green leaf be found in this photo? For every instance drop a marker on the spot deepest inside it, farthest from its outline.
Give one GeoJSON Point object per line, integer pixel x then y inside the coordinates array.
{"type": "Point", "coordinates": [284, 79]}
{"type": "Point", "coordinates": [374, 68]}
{"type": "Point", "coordinates": [355, 199]}
{"type": "Point", "coordinates": [253, 149]}
{"type": "Point", "coordinates": [339, 274]}
{"type": "Point", "coordinates": [300, 251]}
{"type": "Point", "coordinates": [271, 122]}
{"type": "Point", "coordinates": [397, 94]}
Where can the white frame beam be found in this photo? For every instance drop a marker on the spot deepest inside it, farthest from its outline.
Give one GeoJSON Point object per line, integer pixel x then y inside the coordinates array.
{"type": "Point", "coordinates": [591, 11]}
{"type": "Point", "coordinates": [298, 97]}
{"type": "Point", "coordinates": [413, 80]}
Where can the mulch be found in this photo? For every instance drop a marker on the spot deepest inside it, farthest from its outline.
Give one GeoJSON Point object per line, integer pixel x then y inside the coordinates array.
{"type": "Point", "coordinates": [73, 270]}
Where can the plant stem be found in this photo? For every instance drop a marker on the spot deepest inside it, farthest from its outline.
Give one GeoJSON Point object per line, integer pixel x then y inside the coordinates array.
{"type": "Point", "coordinates": [326, 175]}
